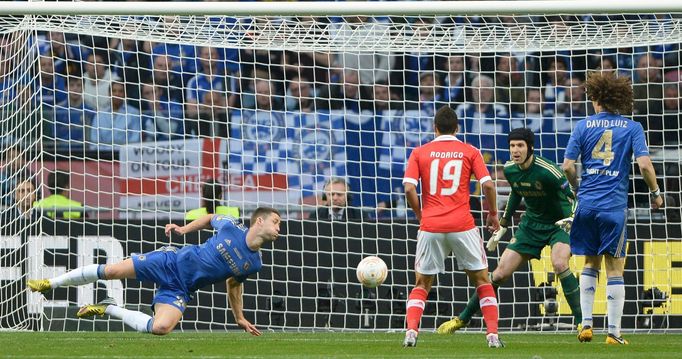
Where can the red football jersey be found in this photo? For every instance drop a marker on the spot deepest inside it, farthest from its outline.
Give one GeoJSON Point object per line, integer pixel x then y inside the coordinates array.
{"type": "Point", "coordinates": [444, 167]}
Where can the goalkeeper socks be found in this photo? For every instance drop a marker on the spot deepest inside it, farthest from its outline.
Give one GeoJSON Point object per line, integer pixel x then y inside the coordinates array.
{"type": "Point", "coordinates": [473, 304]}
{"type": "Point", "coordinates": [415, 307]}
{"type": "Point", "coordinates": [615, 299]}
{"type": "Point", "coordinates": [588, 286]}
{"type": "Point", "coordinates": [571, 289]}
{"type": "Point", "coordinates": [137, 320]}
{"type": "Point", "coordinates": [79, 276]}
{"type": "Point", "coordinates": [488, 305]}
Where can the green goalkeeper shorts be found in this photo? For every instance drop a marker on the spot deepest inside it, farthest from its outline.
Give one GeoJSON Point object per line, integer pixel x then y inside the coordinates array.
{"type": "Point", "coordinates": [531, 237]}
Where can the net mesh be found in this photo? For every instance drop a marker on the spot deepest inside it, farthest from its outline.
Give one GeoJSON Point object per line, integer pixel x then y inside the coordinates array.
{"type": "Point", "coordinates": [143, 113]}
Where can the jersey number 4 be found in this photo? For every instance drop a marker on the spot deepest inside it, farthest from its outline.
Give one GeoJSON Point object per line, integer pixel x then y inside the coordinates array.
{"type": "Point", "coordinates": [451, 171]}
{"type": "Point", "coordinates": [602, 150]}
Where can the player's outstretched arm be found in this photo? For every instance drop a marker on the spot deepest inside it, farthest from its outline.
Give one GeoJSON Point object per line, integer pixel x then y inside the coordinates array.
{"type": "Point", "coordinates": [234, 293]}
{"type": "Point", "coordinates": [203, 222]}
{"type": "Point", "coordinates": [646, 168]}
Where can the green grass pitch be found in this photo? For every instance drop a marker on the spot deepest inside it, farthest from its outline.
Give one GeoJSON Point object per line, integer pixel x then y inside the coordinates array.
{"type": "Point", "coordinates": [326, 345]}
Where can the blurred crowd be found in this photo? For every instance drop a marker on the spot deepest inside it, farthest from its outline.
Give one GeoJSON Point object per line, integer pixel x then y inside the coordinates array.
{"type": "Point", "coordinates": [107, 92]}
{"type": "Point", "coordinates": [99, 93]}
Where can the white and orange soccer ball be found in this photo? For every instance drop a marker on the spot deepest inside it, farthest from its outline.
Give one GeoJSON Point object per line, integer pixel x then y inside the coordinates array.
{"type": "Point", "coordinates": [372, 271]}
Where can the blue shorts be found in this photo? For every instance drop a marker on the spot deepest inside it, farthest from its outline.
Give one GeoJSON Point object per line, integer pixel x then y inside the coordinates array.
{"type": "Point", "coordinates": [160, 267]}
{"type": "Point", "coordinates": [597, 232]}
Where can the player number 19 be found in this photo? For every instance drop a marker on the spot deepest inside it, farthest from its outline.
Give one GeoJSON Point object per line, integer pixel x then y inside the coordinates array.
{"type": "Point", "coordinates": [451, 171]}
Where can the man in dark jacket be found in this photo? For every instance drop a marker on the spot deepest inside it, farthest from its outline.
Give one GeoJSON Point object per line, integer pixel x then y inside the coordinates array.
{"type": "Point", "coordinates": [336, 197]}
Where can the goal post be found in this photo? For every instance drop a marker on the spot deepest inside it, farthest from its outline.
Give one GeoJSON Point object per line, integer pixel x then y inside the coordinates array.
{"type": "Point", "coordinates": [144, 112]}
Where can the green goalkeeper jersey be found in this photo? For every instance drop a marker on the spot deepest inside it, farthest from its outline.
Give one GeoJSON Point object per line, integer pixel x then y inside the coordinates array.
{"type": "Point", "coordinates": [544, 188]}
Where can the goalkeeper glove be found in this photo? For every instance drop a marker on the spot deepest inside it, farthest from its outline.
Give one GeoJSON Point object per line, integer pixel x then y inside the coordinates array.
{"type": "Point", "coordinates": [495, 239]}
{"type": "Point", "coordinates": [565, 224]}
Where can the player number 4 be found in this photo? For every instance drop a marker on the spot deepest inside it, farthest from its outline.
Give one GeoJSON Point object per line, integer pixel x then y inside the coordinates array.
{"type": "Point", "coordinates": [605, 142]}
{"type": "Point", "coordinates": [452, 171]}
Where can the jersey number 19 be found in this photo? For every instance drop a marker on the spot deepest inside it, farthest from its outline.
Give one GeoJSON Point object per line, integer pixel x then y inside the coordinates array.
{"type": "Point", "coordinates": [451, 171]}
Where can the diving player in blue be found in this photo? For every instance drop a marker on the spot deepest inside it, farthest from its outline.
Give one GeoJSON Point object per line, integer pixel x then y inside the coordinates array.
{"type": "Point", "coordinates": [231, 254]}
{"type": "Point", "coordinates": [606, 143]}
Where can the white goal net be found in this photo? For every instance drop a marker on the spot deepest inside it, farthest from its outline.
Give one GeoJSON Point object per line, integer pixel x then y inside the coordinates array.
{"type": "Point", "coordinates": [139, 118]}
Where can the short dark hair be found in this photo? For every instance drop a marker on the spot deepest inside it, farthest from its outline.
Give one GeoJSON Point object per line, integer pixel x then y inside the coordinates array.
{"type": "Point", "coordinates": [262, 212]}
{"type": "Point", "coordinates": [446, 121]}
{"type": "Point", "coordinates": [58, 181]}
{"type": "Point", "coordinates": [613, 93]}
{"type": "Point", "coordinates": [211, 194]}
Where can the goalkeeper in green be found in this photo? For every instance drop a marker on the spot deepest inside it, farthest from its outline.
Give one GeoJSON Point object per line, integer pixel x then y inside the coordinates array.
{"type": "Point", "coordinates": [548, 200]}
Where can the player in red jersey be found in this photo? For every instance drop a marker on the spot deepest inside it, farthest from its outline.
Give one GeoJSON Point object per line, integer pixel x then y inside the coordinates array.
{"type": "Point", "coordinates": [445, 166]}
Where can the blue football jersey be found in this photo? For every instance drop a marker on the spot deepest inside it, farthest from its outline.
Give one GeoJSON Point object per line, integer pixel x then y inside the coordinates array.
{"type": "Point", "coordinates": [606, 142]}
{"type": "Point", "coordinates": [223, 256]}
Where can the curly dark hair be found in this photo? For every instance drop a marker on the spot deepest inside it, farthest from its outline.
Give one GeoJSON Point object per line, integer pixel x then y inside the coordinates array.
{"type": "Point", "coordinates": [613, 93]}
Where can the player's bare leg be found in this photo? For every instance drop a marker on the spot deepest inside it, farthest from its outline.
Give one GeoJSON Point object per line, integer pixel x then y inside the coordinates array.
{"type": "Point", "coordinates": [561, 253]}
{"type": "Point", "coordinates": [124, 269]}
{"type": "Point", "coordinates": [588, 286]}
{"type": "Point", "coordinates": [415, 307]}
{"type": "Point", "coordinates": [166, 317]}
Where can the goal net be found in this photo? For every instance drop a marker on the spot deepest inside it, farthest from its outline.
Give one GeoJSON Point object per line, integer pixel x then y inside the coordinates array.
{"type": "Point", "coordinates": [112, 126]}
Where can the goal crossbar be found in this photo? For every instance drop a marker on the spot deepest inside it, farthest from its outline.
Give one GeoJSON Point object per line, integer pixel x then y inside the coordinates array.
{"type": "Point", "coordinates": [343, 8]}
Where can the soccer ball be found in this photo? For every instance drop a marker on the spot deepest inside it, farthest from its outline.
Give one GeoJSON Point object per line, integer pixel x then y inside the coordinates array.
{"type": "Point", "coordinates": [372, 271]}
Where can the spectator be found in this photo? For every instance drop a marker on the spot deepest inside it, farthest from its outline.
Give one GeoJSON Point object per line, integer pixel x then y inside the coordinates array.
{"type": "Point", "coordinates": [385, 99]}
{"type": "Point", "coordinates": [67, 55]}
{"type": "Point", "coordinates": [14, 169]}
{"type": "Point", "coordinates": [579, 106]}
{"type": "Point", "coordinates": [97, 79]}
{"type": "Point", "coordinates": [456, 80]}
{"type": "Point", "coordinates": [119, 126]}
{"type": "Point", "coordinates": [130, 62]}
{"type": "Point", "coordinates": [72, 115]}
{"type": "Point", "coordinates": [648, 87]}
{"type": "Point", "coordinates": [59, 201]}
{"type": "Point", "coordinates": [349, 95]}
{"type": "Point", "coordinates": [23, 196]}
{"type": "Point", "coordinates": [509, 83]}
{"type": "Point", "coordinates": [408, 66]}
{"type": "Point", "coordinates": [214, 119]}
{"type": "Point", "coordinates": [310, 65]}
{"type": "Point", "coordinates": [263, 96]}
{"type": "Point", "coordinates": [335, 200]}
{"type": "Point", "coordinates": [555, 86]}
{"type": "Point", "coordinates": [299, 96]}
{"type": "Point", "coordinates": [52, 86]}
{"type": "Point", "coordinates": [212, 77]}
{"type": "Point", "coordinates": [181, 58]}
{"type": "Point", "coordinates": [429, 99]}
{"type": "Point", "coordinates": [211, 194]}
{"type": "Point", "coordinates": [161, 76]}
{"type": "Point", "coordinates": [162, 119]}
{"type": "Point", "coordinates": [480, 114]}
{"type": "Point", "coordinates": [532, 116]}
{"type": "Point", "coordinates": [665, 129]}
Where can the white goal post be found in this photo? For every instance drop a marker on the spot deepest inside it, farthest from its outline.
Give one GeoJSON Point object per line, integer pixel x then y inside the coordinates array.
{"type": "Point", "coordinates": [140, 111]}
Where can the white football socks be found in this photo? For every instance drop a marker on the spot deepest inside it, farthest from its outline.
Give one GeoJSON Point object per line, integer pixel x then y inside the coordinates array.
{"type": "Point", "coordinates": [79, 276]}
{"type": "Point", "coordinates": [134, 319]}
{"type": "Point", "coordinates": [588, 286]}
{"type": "Point", "coordinates": [615, 300]}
